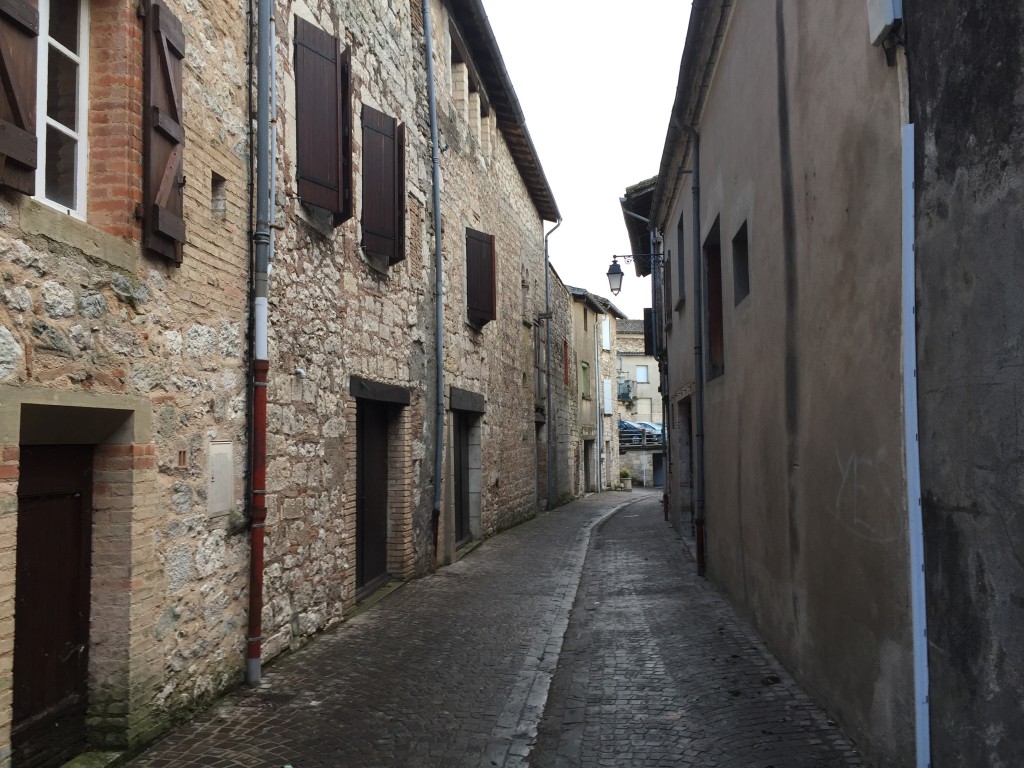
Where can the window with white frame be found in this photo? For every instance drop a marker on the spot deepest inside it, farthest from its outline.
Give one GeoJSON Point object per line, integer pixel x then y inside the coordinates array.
{"type": "Point", "coordinates": [642, 376]}
{"type": "Point", "coordinates": [61, 96]}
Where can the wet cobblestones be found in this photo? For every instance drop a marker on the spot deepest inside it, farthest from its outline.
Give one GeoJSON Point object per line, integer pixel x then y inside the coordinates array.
{"type": "Point", "coordinates": [529, 651]}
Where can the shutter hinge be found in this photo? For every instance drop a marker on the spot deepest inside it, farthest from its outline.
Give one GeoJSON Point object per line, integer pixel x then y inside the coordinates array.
{"type": "Point", "coordinates": [140, 10]}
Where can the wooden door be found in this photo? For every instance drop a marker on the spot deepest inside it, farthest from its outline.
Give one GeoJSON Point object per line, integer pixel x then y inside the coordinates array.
{"type": "Point", "coordinates": [460, 457]}
{"type": "Point", "coordinates": [371, 494]}
{"type": "Point", "coordinates": [51, 623]}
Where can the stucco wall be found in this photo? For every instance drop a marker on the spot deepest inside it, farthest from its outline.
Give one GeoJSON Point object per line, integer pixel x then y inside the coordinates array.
{"type": "Point", "coordinates": [804, 476]}
{"type": "Point", "coordinates": [967, 91]}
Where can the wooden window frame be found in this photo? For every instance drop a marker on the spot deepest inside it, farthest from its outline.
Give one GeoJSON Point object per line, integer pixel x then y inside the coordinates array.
{"type": "Point", "coordinates": [78, 133]}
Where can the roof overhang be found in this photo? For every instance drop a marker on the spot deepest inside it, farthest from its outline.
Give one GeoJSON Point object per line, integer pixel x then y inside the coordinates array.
{"type": "Point", "coordinates": [637, 203]}
{"type": "Point", "coordinates": [708, 19]}
{"type": "Point", "coordinates": [479, 39]}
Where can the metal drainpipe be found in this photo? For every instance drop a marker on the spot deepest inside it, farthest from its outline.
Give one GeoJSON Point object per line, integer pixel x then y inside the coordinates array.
{"type": "Point", "coordinates": [915, 534]}
{"type": "Point", "coordinates": [698, 354]}
{"type": "Point", "coordinates": [260, 357]}
{"type": "Point", "coordinates": [597, 401]}
{"type": "Point", "coordinates": [435, 153]}
{"type": "Point", "coordinates": [547, 366]}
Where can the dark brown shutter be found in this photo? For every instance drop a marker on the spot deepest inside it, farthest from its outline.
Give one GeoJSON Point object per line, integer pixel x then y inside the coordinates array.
{"type": "Point", "coordinates": [163, 164]}
{"type": "Point", "coordinates": [323, 116]}
{"type": "Point", "coordinates": [480, 277]}
{"type": "Point", "coordinates": [19, 28]}
{"type": "Point", "coordinates": [383, 185]}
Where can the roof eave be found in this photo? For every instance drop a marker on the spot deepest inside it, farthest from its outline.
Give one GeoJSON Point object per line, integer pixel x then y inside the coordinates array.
{"type": "Point", "coordinates": [472, 18]}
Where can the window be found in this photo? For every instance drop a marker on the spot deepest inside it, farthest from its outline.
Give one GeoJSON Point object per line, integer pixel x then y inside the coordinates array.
{"type": "Point", "coordinates": [61, 88]}
{"type": "Point", "coordinates": [586, 320]}
{"type": "Point", "coordinates": [740, 266]}
{"type": "Point", "coordinates": [481, 302]}
{"type": "Point", "coordinates": [585, 380]}
{"type": "Point", "coordinates": [323, 117]}
{"type": "Point", "coordinates": [383, 198]}
{"type": "Point", "coordinates": [715, 343]}
{"type": "Point", "coordinates": [680, 263]}
{"type": "Point", "coordinates": [642, 375]}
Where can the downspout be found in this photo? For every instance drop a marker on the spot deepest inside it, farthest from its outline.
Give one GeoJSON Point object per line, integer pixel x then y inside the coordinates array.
{"type": "Point", "coordinates": [260, 357]}
{"type": "Point", "coordinates": [598, 391]}
{"type": "Point", "coordinates": [547, 366]}
{"type": "Point", "coordinates": [698, 353]}
{"type": "Point", "coordinates": [918, 618]}
{"type": "Point", "coordinates": [435, 154]}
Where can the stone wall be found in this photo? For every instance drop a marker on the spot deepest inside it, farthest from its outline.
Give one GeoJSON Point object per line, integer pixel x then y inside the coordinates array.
{"type": "Point", "coordinates": [88, 324]}
{"type": "Point", "coordinates": [966, 64]}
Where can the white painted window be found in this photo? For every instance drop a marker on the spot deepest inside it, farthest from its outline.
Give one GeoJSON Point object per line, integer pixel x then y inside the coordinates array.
{"type": "Point", "coordinates": [61, 100]}
{"type": "Point", "coordinates": [642, 376]}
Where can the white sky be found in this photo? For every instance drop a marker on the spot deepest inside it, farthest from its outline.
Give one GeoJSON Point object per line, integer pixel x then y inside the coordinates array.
{"type": "Point", "coordinates": [596, 80]}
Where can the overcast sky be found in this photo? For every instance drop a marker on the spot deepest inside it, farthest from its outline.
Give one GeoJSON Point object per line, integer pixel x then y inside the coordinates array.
{"type": "Point", "coordinates": [596, 81]}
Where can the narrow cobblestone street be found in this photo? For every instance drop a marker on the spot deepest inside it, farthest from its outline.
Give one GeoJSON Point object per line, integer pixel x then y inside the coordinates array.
{"type": "Point", "coordinates": [480, 664]}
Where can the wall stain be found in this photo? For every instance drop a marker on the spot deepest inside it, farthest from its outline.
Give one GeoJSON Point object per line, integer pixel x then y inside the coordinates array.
{"type": "Point", "coordinates": [792, 381]}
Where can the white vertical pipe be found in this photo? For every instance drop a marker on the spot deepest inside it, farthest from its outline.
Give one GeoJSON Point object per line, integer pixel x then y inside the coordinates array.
{"type": "Point", "coordinates": [919, 627]}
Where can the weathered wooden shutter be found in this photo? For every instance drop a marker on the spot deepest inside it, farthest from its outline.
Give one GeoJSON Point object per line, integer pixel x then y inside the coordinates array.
{"type": "Point", "coordinates": [649, 332]}
{"type": "Point", "coordinates": [163, 164]}
{"type": "Point", "coordinates": [19, 28]}
{"type": "Point", "coordinates": [383, 185]}
{"type": "Point", "coordinates": [480, 277]}
{"type": "Point", "coordinates": [323, 116]}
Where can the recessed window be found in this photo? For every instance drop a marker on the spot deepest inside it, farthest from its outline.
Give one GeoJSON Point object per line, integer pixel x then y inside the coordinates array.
{"type": "Point", "coordinates": [642, 375]}
{"type": "Point", "coordinates": [383, 198]}
{"type": "Point", "coordinates": [481, 297]}
{"type": "Point", "coordinates": [323, 121]}
{"type": "Point", "coordinates": [715, 342]}
{"type": "Point", "coordinates": [740, 265]}
{"type": "Point", "coordinates": [62, 85]}
{"type": "Point", "coordinates": [680, 263]}
{"type": "Point", "coordinates": [218, 195]}
{"type": "Point", "coordinates": [585, 380]}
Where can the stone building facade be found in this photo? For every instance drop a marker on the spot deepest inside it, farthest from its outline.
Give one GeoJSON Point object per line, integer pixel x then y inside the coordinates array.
{"type": "Point", "coordinates": [125, 325]}
{"type": "Point", "coordinates": [122, 335]}
{"type": "Point", "coordinates": [638, 399]}
{"type": "Point", "coordinates": [587, 313]}
{"type": "Point", "coordinates": [565, 401]}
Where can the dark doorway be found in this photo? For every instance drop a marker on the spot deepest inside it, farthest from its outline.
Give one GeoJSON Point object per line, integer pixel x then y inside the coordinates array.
{"type": "Point", "coordinates": [659, 469]}
{"type": "Point", "coordinates": [51, 626]}
{"type": "Point", "coordinates": [371, 495]}
{"type": "Point", "coordinates": [460, 427]}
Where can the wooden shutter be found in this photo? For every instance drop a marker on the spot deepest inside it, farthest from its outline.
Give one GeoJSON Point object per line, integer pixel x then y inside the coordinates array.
{"type": "Point", "coordinates": [480, 277]}
{"type": "Point", "coordinates": [163, 164]}
{"type": "Point", "coordinates": [383, 185]}
{"type": "Point", "coordinates": [19, 28]}
{"type": "Point", "coordinates": [323, 116]}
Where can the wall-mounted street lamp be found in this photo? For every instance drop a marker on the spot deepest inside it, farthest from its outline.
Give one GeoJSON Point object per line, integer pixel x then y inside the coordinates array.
{"type": "Point", "coordinates": [615, 271]}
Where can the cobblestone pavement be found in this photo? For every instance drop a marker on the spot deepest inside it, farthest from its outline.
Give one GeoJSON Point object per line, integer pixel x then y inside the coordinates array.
{"type": "Point", "coordinates": [656, 670]}
{"type": "Point", "coordinates": [450, 670]}
{"type": "Point", "coordinates": [480, 665]}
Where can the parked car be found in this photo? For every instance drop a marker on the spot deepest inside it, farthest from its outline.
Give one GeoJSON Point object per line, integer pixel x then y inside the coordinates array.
{"type": "Point", "coordinates": [630, 433]}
